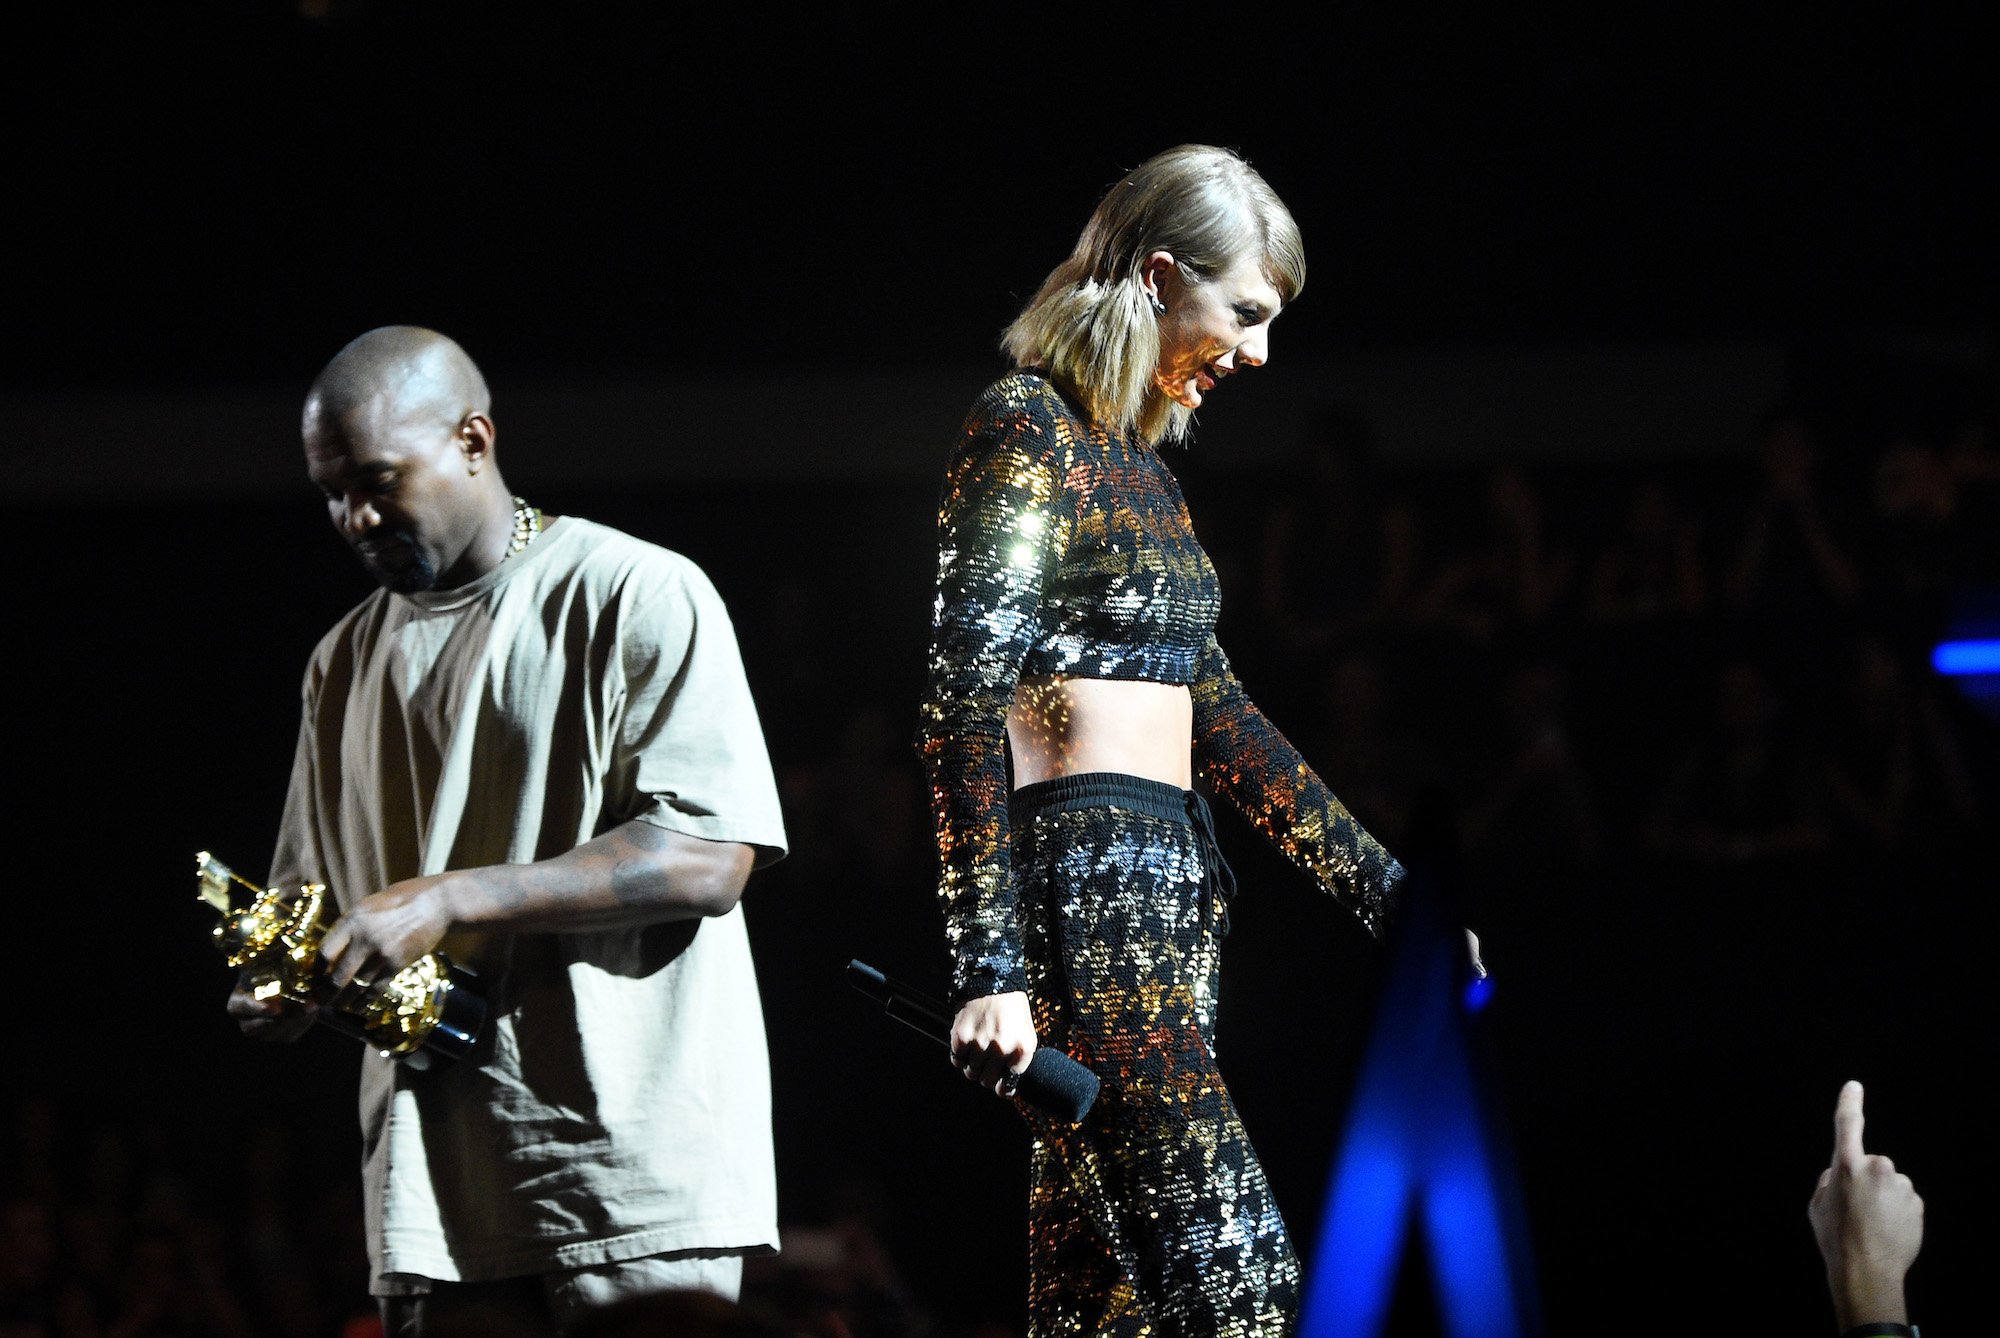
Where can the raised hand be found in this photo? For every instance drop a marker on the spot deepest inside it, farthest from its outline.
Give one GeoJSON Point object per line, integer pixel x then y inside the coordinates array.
{"type": "Point", "coordinates": [1869, 1223]}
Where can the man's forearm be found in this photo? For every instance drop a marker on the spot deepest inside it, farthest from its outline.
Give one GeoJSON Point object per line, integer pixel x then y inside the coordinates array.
{"type": "Point", "coordinates": [631, 876]}
{"type": "Point", "coordinates": [635, 874]}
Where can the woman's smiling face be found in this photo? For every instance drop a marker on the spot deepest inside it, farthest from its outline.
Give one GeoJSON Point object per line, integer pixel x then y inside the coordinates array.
{"type": "Point", "coordinates": [1211, 327]}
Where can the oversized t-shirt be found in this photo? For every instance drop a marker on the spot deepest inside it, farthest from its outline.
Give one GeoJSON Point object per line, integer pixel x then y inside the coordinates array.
{"type": "Point", "coordinates": [617, 1103]}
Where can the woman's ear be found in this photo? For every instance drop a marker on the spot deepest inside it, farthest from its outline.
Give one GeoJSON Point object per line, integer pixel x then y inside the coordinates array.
{"type": "Point", "coordinates": [1157, 273]}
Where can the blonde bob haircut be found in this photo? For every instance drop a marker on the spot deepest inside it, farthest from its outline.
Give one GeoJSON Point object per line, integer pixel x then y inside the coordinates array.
{"type": "Point", "coordinates": [1091, 326]}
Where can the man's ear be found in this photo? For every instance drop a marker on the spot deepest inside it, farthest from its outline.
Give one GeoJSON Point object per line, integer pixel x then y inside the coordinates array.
{"type": "Point", "coordinates": [476, 435]}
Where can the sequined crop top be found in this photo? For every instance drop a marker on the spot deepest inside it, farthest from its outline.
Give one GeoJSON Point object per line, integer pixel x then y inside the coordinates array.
{"type": "Point", "coordinates": [1066, 549]}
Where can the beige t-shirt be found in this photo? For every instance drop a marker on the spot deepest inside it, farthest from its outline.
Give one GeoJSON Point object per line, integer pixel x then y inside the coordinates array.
{"type": "Point", "coordinates": [618, 1101]}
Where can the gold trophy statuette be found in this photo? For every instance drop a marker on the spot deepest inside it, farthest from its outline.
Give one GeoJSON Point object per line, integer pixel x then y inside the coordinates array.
{"type": "Point", "coordinates": [428, 1008]}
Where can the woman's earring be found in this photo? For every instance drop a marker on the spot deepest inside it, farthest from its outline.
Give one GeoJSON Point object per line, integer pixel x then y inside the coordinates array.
{"type": "Point", "coordinates": [1159, 307]}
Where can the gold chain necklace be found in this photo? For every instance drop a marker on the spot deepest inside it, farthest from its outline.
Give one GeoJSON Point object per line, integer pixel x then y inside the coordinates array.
{"type": "Point", "coordinates": [527, 525]}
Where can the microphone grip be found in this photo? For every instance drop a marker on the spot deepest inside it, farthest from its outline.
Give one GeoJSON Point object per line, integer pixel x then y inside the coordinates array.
{"type": "Point", "coordinates": [1053, 1082]}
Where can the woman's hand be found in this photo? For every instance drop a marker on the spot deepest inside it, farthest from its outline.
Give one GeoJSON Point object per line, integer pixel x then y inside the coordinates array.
{"type": "Point", "coordinates": [1472, 954]}
{"type": "Point", "coordinates": [992, 1040]}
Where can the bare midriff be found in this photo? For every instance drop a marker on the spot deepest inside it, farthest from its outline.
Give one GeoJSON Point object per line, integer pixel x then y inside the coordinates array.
{"type": "Point", "coordinates": [1066, 726]}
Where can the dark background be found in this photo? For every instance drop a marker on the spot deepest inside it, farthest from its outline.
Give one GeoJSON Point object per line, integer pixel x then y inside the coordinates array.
{"type": "Point", "coordinates": [210, 199]}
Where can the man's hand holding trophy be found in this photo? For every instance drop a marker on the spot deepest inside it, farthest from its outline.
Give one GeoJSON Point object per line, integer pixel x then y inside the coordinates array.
{"type": "Point", "coordinates": [278, 943]}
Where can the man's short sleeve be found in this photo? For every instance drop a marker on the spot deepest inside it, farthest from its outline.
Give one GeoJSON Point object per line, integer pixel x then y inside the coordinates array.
{"type": "Point", "coordinates": [690, 752]}
{"type": "Point", "coordinates": [297, 857]}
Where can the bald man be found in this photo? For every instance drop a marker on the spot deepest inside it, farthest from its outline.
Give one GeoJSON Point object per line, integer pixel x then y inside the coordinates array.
{"type": "Point", "coordinates": [533, 747]}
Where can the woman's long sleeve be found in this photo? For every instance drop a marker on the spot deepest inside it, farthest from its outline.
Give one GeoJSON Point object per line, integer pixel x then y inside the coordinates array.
{"type": "Point", "coordinates": [1243, 757]}
{"type": "Point", "coordinates": [1002, 523]}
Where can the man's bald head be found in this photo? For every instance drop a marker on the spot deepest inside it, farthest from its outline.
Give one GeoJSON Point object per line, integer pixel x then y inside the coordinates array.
{"type": "Point", "coordinates": [399, 440]}
{"type": "Point", "coordinates": [404, 373]}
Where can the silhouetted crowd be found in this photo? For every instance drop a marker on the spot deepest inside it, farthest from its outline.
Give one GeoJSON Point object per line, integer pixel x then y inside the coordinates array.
{"type": "Point", "coordinates": [111, 1228]}
{"type": "Point", "coordinates": [1713, 664]}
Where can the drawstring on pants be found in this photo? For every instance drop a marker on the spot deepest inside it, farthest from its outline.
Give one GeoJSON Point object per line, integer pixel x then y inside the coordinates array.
{"type": "Point", "coordinates": [1218, 882]}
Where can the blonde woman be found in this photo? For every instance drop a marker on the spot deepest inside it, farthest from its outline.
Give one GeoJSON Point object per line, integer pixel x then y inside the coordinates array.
{"type": "Point", "coordinates": [1084, 896]}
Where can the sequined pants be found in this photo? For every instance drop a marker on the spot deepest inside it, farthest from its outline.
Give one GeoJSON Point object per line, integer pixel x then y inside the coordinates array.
{"type": "Point", "coordinates": [1152, 1217]}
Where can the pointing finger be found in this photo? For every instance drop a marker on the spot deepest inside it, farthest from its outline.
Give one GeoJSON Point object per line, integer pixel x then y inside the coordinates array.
{"type": "Point", "coordinates": [1847, 1124]}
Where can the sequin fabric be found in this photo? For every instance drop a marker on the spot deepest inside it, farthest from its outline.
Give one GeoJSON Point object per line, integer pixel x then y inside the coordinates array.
{"type": "Point", "coordinates": [1152, 1217]}
{"type": "Point", "coordinates": [1242, 757]}
{"type": "Point", "coordinates": [1066, 549]}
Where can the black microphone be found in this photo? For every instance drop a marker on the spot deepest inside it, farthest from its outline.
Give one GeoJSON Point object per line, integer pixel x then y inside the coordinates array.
{"type": "Point", "coordinates": [1053, 1083]}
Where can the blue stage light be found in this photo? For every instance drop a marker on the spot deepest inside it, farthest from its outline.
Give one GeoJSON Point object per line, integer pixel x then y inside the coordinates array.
{"type": "Point", "coordinates": [1422, 1168]}
{"type": "Point", "coordinates": [1966, 657]}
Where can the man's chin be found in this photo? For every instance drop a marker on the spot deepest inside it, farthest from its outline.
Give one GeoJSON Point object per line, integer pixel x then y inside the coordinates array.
{"type": "Point", "coordinates": [410, 577]}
